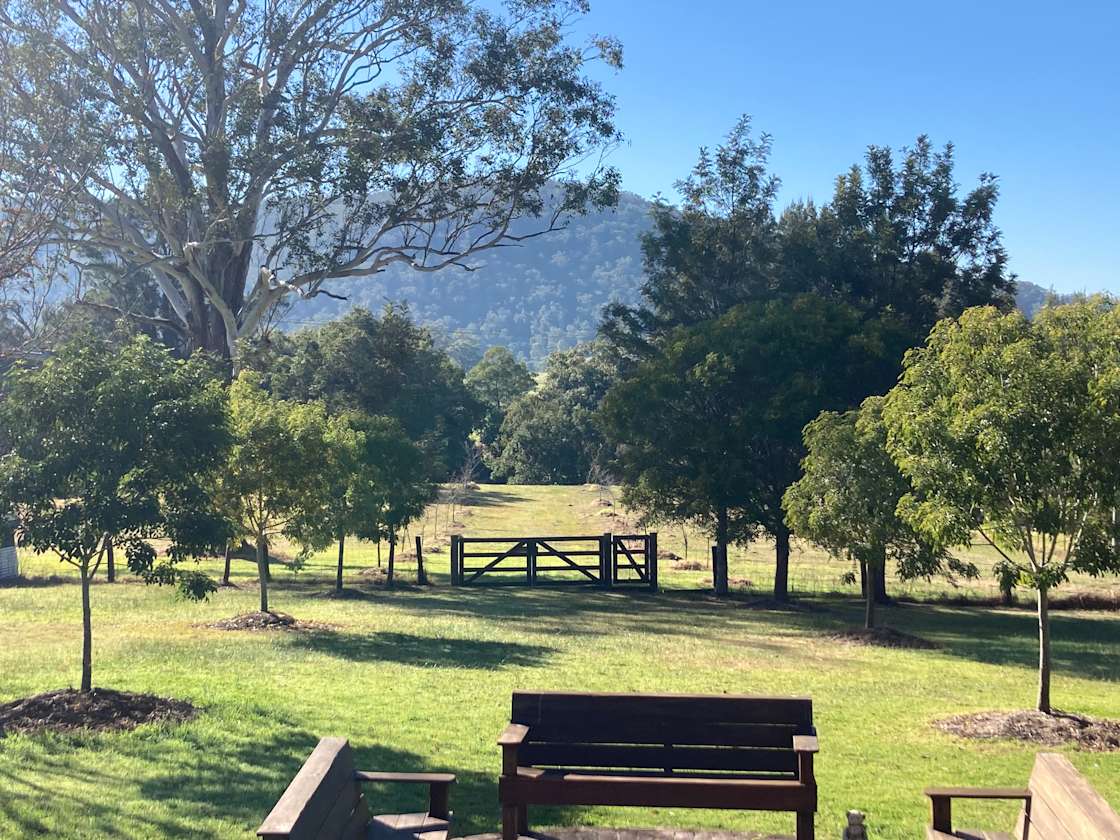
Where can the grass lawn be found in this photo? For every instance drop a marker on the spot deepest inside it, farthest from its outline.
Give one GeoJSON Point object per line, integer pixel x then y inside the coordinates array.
{"type": "Point", "coordinates": [421, 679]}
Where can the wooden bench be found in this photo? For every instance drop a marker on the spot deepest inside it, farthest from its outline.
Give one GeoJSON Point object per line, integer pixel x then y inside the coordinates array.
{"type": "Point", "coordinates": [687, 751]}
{"type": "Point", "coordinates": [325, 802]}
{"type": "Point", "coordinates": [1058, 804]}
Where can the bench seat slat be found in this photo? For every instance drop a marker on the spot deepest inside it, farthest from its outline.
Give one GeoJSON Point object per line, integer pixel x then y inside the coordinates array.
{"type": "Point", "coordinates": [628, 730]}
{"type": "Point", "coordinates": [667, 758]}
{"type": "Point", "coordinates": [538, 707]}
{"type": "Point", "coordinates": [588, 789]}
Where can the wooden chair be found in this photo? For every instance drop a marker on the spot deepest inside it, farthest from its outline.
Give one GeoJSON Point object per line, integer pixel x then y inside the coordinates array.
{"type": "Point", "coordinates": [325, 802]}
{"type": "Point", "coordinates": [687, 751]}
{"type": "Point", "coordinates": [1058, 804]}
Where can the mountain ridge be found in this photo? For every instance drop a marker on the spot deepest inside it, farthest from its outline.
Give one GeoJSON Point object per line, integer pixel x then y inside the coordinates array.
{"type": "Point", "coordinates": [535, 298]}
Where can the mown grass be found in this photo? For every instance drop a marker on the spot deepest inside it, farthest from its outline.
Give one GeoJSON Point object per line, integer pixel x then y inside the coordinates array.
{"type": "Point", "coordinates": [422, 678]}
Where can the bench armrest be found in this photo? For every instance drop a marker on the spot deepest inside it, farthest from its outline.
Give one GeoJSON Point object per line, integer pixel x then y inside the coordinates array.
{"type": "Point", "coordinates": [941, 801]}
{"type": "Point", "coordinates": [511, 738]}
{"type": "Point", "coordinates": [513, 735]}
{"type": "Point", "coordinates": [806, 744]}
{"type": "Point", "coordinates": [439, 787]}
{"type": "Point", "coordinates": [977, 793]}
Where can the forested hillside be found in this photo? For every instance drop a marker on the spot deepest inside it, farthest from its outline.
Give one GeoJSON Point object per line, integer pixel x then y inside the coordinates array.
{"type": "Point", "coordinates": [543, 295]}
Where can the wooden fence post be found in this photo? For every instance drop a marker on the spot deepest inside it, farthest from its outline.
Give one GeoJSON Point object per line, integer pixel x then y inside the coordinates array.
{"type": "Point", "coordinates": [421, 578]}
{"type": "Point", "coordinates": [609, 561]}
{"type": "Point", "coordinates": [651, 560]}
{"type": "Point", "coordinates": [531, 561]}
{"type": "Point", "coordinates": [456, 570]}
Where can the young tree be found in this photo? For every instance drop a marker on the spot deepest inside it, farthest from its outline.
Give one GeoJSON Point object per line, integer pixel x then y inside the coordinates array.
{"type": "Point", "coordinates": [1009, 428]}
{"type": "Point", "coordinates": [370, 462]}
{"type": "Point", "coordinates": [846, 501]}
{"type": "Point", "coordinates": [117, 444]}
{"type": "Point", "coordinates": [709, 430]}
{"type": "Point", "coordinates": [277, 476]}
{"type": "Point", "coordinates": [250, 151]}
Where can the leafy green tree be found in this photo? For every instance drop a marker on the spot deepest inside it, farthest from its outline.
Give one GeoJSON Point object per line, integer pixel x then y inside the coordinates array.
{"type": "Point", "coordinates": [376, 480]}
{"type": "Point", "coordinates": [1009, 428]}
{"type": "Point", "coordinates": [550, 435]}
{"type": "Point", "coordinates": [496, 381]}
{"type": "Point", "coordinates": [716, 250]}
{"type": "Point", "coordinates": [256, 151]}
{"type": "Point", "coordinates": [277, 477]}
{"type": "Point", "coordinates": [115, 444]}
{"type": "Point", "coordinates": [846, 501]}
{"type": "Point", "coordinates": [897, 245]}
{"type": "Point", "coordinates": [709, 430]}
{"type": "Point", "coordinates": [385, 366]}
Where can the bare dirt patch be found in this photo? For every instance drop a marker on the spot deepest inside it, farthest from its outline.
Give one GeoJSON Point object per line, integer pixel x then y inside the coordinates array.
{"type": "Point", "coordinates": [102, 709]}
{"type": "Point", "coordinates": [886, 637]}
{"type": "Point", "coordinates": [265, 621]}
{"type": "Point", "coordinates": [1097, 734]}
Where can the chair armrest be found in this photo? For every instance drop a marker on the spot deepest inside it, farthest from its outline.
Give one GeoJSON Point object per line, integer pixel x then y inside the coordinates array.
{"type": "Point", "coordinates": [806, 744]}
{"type": "Point", "coordinates": [439, 787]}
{"type": "Point", "coordinates": [510, 739]}
{"type": "Point", "coordinates": [941, 801]}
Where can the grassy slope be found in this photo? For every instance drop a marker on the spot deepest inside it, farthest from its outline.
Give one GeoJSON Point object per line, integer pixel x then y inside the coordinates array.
{"type": "Point", "coordinates": [422, 680]}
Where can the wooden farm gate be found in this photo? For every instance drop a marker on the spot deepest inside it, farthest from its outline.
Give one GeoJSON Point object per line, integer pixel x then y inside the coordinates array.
{"type": "Point", "coordinates": [606, 560]}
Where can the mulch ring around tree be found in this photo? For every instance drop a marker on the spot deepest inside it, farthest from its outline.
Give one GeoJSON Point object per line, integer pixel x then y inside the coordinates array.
{"type": "Point", "coordinates": [1097, 734]}
{"type": "Point", "coordinates": [886, 637]}
{"type": "Point", "coordinates": [257, 621]}
{"type": "Point", "coordinates": [102, 709]}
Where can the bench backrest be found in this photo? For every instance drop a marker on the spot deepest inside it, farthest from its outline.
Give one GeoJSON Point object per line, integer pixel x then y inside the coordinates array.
{"type": "Point", "coordinates": [323, 802]}
{"type": "Point", "coordinates": [663, 732]}
{"type": "Point", "coordinates": [1064, 805]}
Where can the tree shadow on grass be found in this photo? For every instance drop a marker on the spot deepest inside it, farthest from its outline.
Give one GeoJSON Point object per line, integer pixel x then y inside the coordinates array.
{"type": "Point", "coordinates": [1082, 645]}
{"type": "Point", "coordinates": [491, 498]}
{"type": "Point", "coordinates": [422, 651]}
{"type": "Point", "coordinates": [209, 786]}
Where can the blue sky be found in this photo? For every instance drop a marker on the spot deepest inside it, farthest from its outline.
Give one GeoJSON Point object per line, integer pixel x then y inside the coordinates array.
{"type": "Point", "coordinates": [1029, 91]}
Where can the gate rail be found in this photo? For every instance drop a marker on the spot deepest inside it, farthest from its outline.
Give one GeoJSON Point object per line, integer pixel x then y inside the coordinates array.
{"type": "Point", "coordinates": [619, 560]}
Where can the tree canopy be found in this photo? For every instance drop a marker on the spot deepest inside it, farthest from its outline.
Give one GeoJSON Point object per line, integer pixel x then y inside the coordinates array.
{"type": "Point", "coordinates": [245, 153]}
{"type": "Point", "coordinates": [383, 366]}
{"type": "Point", "coordinates": [1008, 428]}
{"type": "Point", "coordinates": [708, 430]}
{"type": "Point", "coordinates": [119, 444]}
{"type": "Point", "coordinates": [550, 435]}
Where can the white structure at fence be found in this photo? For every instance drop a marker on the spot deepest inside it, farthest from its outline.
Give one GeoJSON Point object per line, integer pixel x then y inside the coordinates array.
{"type": "Point", "coordinates": [9, 563]}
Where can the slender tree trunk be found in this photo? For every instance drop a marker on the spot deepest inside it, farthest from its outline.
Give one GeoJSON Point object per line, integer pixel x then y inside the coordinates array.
{"type": "Point", "coordinates": [421, 577]}
{"type": "Point", "coordinates": [228, 557]}
{"type": "Point", "coordinates": [874, 569]}
{"type": "Point", "coordinates": [781, 565]}
{"type": "Point", "coordinates": [392, 558]}
{"type": "Point", "coordinates": [87, 631]}
{"type": "Point", "coordinates": [880, 578]}
{"type": "Point", "coordinates": [862, 579]}
{"type": "Point", "coordinates": [267, 562]}
{"type": "Point", "coordinates": [379, 554]}
{"type": "Point", "coordinates": [719, 559]}
{"type": "Point", "coordinates": [341, 549]}
{"type": "Point", "coordinates": [262, 570]}
{"type": "Point", "coordinates": [1044, 650]}
{"type": "Point", "coordinates": [110, 564]}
